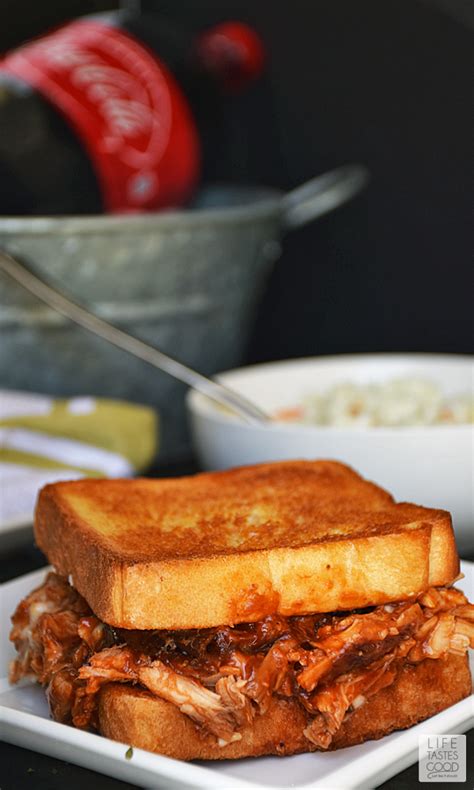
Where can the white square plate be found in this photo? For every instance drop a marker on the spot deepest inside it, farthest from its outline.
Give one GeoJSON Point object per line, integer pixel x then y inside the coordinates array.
{"type": "Point", "coordinates": [25, 722]}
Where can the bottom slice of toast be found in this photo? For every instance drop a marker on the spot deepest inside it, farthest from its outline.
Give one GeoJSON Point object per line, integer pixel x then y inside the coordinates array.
{"type": "Point", "coordinates": [139, 719]}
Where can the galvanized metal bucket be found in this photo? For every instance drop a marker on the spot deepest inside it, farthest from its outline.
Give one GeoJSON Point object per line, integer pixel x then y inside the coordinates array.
{"type": "Point", "coordinates": [186, 281]}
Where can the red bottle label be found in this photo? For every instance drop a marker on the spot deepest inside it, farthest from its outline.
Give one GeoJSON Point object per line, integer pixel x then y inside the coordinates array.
{"type": "Point", "coordinates": [125, 107]}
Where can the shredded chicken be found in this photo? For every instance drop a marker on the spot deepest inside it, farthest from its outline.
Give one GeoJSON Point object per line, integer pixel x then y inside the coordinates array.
{"type": "Point", "coordinates": [223, 677]}
{"type": "Point", "coordinates": [333, 702]}
{"type": "Point", "coordinates": [271, 673]}
{"type": "Point", "coordinates": [200, 704]}
{"type": "Point", "coordinates": [232, 691]}
{"type": "Point", "coordinates": [370, 635]}
{"type": "Point", "coordinates": [53, 628]}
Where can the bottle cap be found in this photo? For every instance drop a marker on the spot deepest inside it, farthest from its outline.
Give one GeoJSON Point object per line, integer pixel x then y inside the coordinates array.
{"type": "Point", "coordinates": [233, 52]}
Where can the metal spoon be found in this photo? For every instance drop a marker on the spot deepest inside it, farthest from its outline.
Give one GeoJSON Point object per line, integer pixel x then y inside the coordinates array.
{"type": "Point", "coordinates": [55, 299]}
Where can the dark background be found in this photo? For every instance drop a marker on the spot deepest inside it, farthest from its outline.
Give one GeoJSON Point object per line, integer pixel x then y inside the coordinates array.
{"type": "Point", "coordinates": [383, 83]}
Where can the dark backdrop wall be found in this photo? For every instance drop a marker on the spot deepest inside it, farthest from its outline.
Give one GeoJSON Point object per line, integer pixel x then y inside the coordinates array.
{"type": "Point", "coordinates": [383, 83]}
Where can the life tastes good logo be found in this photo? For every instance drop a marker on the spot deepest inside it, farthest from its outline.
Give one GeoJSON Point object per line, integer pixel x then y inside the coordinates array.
{"type": "Point", "coordinates": [442, 758]}
{"type": "Point", "coordinates": [125, 107]}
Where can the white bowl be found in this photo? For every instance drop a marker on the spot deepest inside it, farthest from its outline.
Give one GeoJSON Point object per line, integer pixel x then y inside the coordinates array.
{"type": "Point", "coordinates": [430, 465]}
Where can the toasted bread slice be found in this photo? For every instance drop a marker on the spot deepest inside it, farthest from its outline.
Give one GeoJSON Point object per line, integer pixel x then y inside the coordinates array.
{"type": "Point", "coordinates": [229, 547]}
{"type": "Point", "coordinates": [139, 719]}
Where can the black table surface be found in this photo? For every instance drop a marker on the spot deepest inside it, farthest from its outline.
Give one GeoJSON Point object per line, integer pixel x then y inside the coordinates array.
{"type": "Point", "coordinates": [21, 769]}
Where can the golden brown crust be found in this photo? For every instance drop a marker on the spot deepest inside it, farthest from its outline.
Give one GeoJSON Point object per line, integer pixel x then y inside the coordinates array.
{"type": "Point", "coordinates": [290, 537]}
{"type": "Point", "coordinates": [77, 555]}
{"type": "Point", "coordinates": [138, 719]}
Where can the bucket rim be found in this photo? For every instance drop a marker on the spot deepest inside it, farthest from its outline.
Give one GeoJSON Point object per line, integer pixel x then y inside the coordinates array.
{"type": "Point", "coordinates": [267, 204]}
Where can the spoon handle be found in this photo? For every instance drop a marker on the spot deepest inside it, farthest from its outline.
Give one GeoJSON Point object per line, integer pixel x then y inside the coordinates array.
{"type": "Point", "coordinates": [79, 315]}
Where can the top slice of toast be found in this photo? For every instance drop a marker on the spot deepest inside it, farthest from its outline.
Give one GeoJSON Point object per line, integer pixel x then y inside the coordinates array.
{"type": "Point", "coordinates": [228, 547]}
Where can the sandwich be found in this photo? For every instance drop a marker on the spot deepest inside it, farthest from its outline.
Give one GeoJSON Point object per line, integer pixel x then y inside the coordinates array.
{"type": "Point", "coordinates": [271, 609]}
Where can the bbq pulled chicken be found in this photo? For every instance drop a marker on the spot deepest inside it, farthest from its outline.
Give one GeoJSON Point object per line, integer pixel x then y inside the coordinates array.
{"type": "Point", "coordinates": [222, 677]}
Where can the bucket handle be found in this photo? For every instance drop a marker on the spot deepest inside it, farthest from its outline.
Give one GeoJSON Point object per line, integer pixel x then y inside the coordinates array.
{"type": "Point", "coordinates": [322, 194]}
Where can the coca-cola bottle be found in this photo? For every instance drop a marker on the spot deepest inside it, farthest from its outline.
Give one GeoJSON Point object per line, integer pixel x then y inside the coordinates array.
{"type": "Point", "coordinates": [106, 113]}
